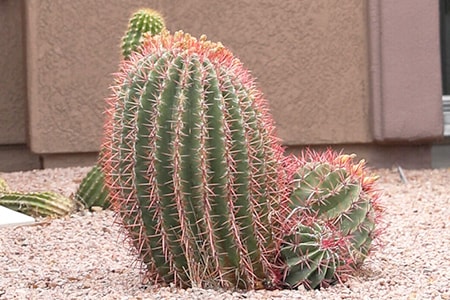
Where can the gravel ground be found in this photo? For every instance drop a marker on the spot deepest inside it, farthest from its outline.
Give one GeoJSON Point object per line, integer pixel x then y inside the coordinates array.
{"type": "Point", "coordinates": [83, 256]}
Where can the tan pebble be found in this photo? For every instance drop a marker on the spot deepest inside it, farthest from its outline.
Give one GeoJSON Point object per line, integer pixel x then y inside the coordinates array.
{"type": "Point", "coordinates": [96, 208]}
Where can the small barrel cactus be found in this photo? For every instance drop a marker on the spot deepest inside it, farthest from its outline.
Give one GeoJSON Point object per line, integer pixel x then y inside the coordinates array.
{"type": "Point", "coordinates": [335, 210]}
{"type": "Point", "coordinates": [143, 21]}
{"type": "Point", "coordinates": [193, 165]}
{"type": "Point", "coordinates": [92, 190]}
{"type": "Point", "coordinates": [311, 253]}
{"type": "Point", "coordinates": [42, 204]}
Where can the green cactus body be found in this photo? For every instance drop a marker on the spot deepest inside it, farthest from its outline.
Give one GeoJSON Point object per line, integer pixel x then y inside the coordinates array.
{"type": "Point", "coordinates": [311, 253]}
{"type": "Point", "coordinates": [193, 165]}
{"type": "Point", "coordinates": [92, 190]}
{"type": "Point", "coordinates": [143, 21]}
{"type": "Point", "coordinates": [43, 204]}
{"type": "Point", "coordinates": [337, 212]}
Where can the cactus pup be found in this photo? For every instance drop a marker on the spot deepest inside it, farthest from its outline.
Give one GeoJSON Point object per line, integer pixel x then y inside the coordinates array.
{"type": "Point", "coordinates": [92, 190]}
{"type": "Point", "coordinates": [144, 21]}
{"type": "Point", "coordinates": [334, 212]}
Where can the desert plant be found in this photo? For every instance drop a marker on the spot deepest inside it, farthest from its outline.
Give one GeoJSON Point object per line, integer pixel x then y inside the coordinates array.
{"type": "Point", "coordinates": [42, 204]}
{"type": "Point", "coordinates": [92, 190]}
{"type": "Point", "coordinates": [143, 21]}
{"type": "Point", "coordinates": [333, 220]}
{"type": "Point", "coordinates": [193, 166]}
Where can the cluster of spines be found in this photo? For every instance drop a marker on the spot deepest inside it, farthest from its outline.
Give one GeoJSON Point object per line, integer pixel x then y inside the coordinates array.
{"type": "Point", "coordinates": [311, 255]}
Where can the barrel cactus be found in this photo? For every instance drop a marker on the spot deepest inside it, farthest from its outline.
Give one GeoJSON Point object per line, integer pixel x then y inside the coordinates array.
{"type": "Point", "coordinates": [143, 21]}
{"type": "Point", "coordinates": [193, 165]}
{"type": "Point", "coordinates": [333, 221]}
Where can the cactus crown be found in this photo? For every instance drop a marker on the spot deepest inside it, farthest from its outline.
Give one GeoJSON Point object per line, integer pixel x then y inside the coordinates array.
{"type": "Point", "coordinates": [143, 21]}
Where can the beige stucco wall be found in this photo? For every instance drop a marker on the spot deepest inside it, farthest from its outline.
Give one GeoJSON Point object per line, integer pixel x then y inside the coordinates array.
{"type": "Point", "coordinates": [347, 73]}
{"type": "Point", "coordinates": [71, 53]}
{"type": "Point", "coordinates": [405, 69]}
{"type": "Point", "coordinates": [12, 75]}
{"type": "Point", "coordinates": [310, 58]}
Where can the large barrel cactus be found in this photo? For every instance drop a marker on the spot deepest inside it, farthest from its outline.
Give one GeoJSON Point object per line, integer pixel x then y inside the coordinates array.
{"type": "Point", "coordinates": [193, 165]}
{"type": "Point", "coordinates": [334, 212]}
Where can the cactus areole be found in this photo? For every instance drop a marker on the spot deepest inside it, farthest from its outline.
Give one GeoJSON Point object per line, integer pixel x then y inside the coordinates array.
{"type": "Point", "coordinates": [193, 165]}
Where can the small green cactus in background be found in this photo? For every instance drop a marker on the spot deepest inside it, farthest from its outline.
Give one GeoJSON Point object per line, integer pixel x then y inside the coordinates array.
{"type": "Point", "coordinates": [332, 225]}
{"type": "Point", "coordinates": [42, 204]}
{"type": "Point", "coordinates": [92, 190]}
{"type": "Point", "coordinates": [143, 21]}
